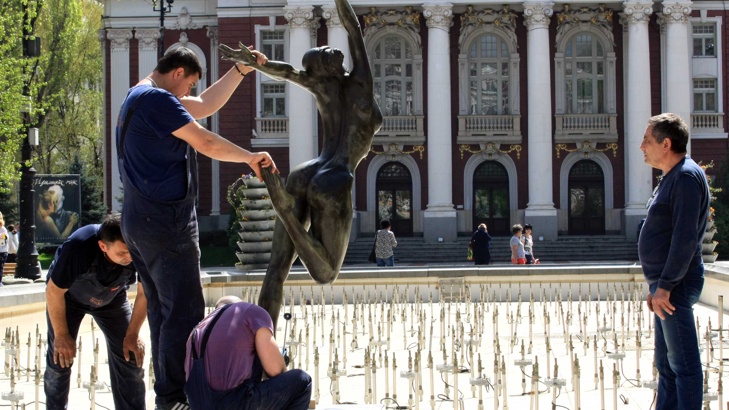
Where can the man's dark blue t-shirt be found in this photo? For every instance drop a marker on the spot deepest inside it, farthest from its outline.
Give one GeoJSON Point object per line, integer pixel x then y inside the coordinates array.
{"type": "Point", "coordinates": [155, 160]}
{"type": "Point", "coordinates": [670, 240]}
{"type": "Point", "coordinates": [76, 256]}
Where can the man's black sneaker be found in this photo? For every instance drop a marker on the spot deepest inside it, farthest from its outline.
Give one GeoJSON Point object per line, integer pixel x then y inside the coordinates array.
{"type": "Point", "coordinates": [173, 406]}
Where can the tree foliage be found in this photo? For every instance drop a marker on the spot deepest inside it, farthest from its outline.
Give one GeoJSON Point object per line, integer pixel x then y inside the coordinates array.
{"type": "Point", "coordinates": [64, 88]}
{"type": "Point", "coordinates": [93, 208]}
{"type": "Point", "coordinates": [70, 98]}
{"type": "Point", "coordinates": [15, 72]}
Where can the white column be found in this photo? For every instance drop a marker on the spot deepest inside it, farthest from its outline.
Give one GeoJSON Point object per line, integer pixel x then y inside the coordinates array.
{"type": "Point", "coordinates": [638, 184]}
{"type": "Point", "coordinates": [337, 35]}
{"type": "Point", "coordinates": [148, 41]}
{"type": "Point", "coordinates": [301, 106]}
{"type": "Point", "coordinates": [540, 209]}
{"type": "Point", "coordinates": [119, 45]}
{"type": "Point", "coordinates": [439, 219]}
{"type": "Point", "coordinates": [678, 71]}
{"type": "Point", "coordinates": [214, 124]}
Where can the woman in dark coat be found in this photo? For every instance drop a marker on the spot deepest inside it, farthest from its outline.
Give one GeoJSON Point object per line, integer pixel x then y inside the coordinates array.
{"type": "Point", "coordinates": [480, 242]}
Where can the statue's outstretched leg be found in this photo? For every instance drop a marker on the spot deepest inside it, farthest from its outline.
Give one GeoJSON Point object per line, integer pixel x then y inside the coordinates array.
{"type": "Point", "coordinates": [322, 250]}
{"type": "Point", "coordinates": [283, 255]}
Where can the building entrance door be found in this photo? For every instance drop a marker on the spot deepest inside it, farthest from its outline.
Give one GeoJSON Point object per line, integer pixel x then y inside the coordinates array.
{"type": "Point", "coordinates": [491, 198]}
{"type": "Point", "coordinates": [394, 198]}
{"type": "Point", "coordinates": [587, 199]}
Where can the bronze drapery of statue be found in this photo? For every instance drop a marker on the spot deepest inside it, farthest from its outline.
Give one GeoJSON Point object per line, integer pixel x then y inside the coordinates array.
{"type": "Point", "coordinates": [314, 208]}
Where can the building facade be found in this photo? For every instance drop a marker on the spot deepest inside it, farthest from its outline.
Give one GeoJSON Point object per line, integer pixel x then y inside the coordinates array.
{"type": "Point", "coordinates": [495, 112]}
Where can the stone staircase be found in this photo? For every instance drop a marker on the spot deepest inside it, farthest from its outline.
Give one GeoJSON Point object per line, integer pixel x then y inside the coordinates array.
{"type": "Point", "coordinates": [564, 249]}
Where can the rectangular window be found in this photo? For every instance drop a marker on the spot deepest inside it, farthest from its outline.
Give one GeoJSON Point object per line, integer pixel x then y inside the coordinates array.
{"type": "Point", "coordinates": [704, 40]}
{"type": "Point", "coordinates": [272, 44]}
{"type": "Point", "coordinates": [274, 100]}
{"type": "Point", "coordinates": [705, 95]}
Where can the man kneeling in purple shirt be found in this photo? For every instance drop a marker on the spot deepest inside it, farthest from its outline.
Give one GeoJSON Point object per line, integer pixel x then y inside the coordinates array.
{"type": "Point", "coordinates": [226, 356]}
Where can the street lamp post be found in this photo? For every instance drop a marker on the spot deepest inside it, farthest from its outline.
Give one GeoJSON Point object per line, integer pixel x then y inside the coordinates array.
{"type": "Point", "coordinates": [159, 5]}
{"type": "Point", "coordinates": [27, 265]}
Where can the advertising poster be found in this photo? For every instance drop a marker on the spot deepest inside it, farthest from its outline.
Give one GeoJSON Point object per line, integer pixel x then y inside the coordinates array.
{"type": "Point", "coordinates": [57, 207]}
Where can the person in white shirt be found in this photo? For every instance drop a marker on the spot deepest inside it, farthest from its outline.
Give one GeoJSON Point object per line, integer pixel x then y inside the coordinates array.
{"type": "Point", "coordinates": [12, 244]}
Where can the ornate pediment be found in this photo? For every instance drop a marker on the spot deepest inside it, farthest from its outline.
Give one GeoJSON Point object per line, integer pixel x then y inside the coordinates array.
{"type": "Point", "coordinates": [601, 18]}
{"type": "Point", "coordinates": [504, 20]}
{"type": "Point", "coordinates": [184, 21]}
{"type": "Point", "coordinates": [408, 19]}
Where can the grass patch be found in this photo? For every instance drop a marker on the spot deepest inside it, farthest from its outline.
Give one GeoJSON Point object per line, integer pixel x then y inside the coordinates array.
{"type": "Point", "coordinates": [210, 256]}
{"type": "Point", "coordinates": [45, 260]}
{"type": "Point", "coordinates": [217, 256]}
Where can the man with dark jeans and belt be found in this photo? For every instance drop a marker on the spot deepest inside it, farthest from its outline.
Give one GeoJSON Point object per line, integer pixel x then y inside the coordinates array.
{"type": "Point", "coordinates": [669, 247]}
{"type": "Point", "coordinates": [226, 356]}
{"type": "Point", "coordinates": [90, 275]}
{"type": "Point", "coordinates": [157, 144]}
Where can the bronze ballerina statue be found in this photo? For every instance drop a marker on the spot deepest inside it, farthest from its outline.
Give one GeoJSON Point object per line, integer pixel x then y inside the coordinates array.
{"type": "Point", "coordinates": [315, 207]}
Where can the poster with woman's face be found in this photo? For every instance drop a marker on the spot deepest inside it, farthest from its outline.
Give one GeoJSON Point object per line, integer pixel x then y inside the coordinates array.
{"type": "Point", "coordinates": [57, 207]}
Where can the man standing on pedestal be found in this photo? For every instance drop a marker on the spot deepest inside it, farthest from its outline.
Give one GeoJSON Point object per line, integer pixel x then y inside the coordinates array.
{"type": "Point", "coordinates": [669, 247]}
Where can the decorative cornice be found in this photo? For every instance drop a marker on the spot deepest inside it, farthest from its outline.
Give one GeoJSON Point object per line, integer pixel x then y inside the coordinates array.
{"type": "Point", "coordinates": [183, 39]}
{"type": "Point", "coordinates": [119, 39]}
{"type": "Point", "coordinates": [636, 13]}
{"type": "Point", "coordinates": [438, 16]}
{"type": "Point", "coordinates": [537, 15]}
{"type": "Point", "coordinates": [331, 16]}
{"type": "Point", "coordinates": [408, 19]}
{"type": "Point", "coordinates": [503, 20]}
{"type": "Point", "coordinates": [212, 33]}
{"type": "Point", "coordinates": [490, 149]}
{"type": "Point", "coordinates": [586, 148]}
{"type": "Point", "coordinates": [601, 17]}
{"type": "Point", "coordinates": [184, 21]}
{"type": "Point", "coordinates": [299, 17]}
{"type": "Point", "coordinates": [394, 150]}
{"type": "Point", "coordinates": [147, 38]}
{"type": "Point", "coordinates": [675, 13]}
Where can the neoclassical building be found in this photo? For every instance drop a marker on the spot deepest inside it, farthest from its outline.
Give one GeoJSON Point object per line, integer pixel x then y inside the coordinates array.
{"type": "Point", "coordinates": [500, 112]}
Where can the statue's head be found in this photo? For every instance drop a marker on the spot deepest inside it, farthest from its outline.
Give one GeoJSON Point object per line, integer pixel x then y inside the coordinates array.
{"type": "Point", "coordinates": [323, 61]}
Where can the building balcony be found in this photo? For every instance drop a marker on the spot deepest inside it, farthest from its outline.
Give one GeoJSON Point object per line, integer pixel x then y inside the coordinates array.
{"type": "Point", "coordinates": [578, 127]}
{"type": "Point", "coordinates": [707, 123]}
{"type": "Point", "coordinates": [476, 129]}
{"type": "Point", "coordinates": [401, 129]}
{"type": "Point", "coordinates": [271, 132]}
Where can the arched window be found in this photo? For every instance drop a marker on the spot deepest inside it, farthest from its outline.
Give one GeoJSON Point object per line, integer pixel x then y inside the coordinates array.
{"type": "Point", "coordinates": [392, 63]}
{"type": "Point", "coordinates": [585, 72]}
{"type": "Point", "coordinates": [488, 76]}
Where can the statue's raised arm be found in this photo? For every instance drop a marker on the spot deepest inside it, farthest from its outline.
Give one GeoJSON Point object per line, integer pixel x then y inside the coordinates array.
{"type": "Point", "coordinates": [360, 63]}
{"type": "Point", "coordinates": [276, 69]}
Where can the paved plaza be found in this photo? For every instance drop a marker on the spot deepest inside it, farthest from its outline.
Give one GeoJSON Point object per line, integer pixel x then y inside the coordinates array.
{"type": "Point", "coordinates": [564, 337]}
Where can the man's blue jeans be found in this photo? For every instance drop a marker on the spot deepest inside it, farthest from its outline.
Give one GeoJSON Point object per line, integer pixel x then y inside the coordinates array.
{"type": "Point", "coordinates": [127, 380]}
{"type": "Point", "coordinates": [163, 242]}
{"type": "Point", "coordinates": [680, 385]}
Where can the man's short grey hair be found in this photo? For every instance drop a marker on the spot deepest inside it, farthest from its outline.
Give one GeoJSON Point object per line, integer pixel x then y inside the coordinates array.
{"type": "Point", "coordinates": [671, 126]}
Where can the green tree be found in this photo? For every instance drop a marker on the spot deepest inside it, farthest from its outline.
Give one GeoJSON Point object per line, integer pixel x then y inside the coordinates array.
{"type": "Point", "coordinates": [70, 97]}
{"type": "Point", "coordinates": [8, 205]}
{"type": "Point", "coordinates": [93, 209]}
{"type": "Point", "coordinates": [16, 72]}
